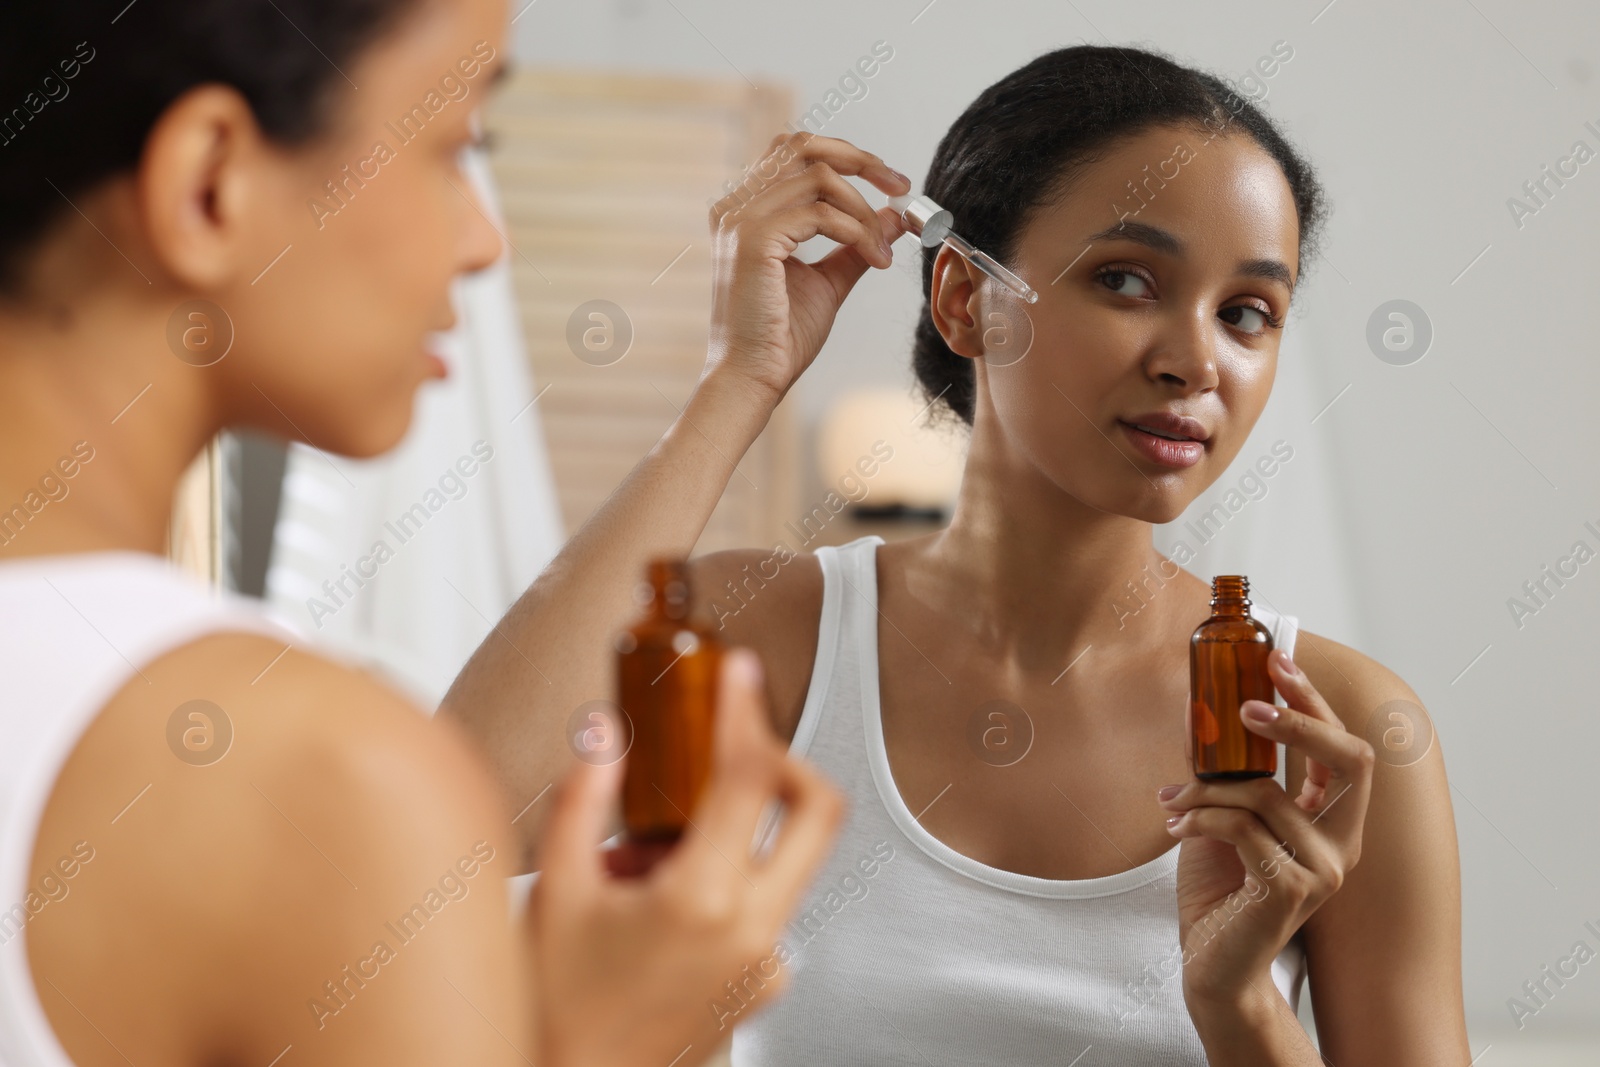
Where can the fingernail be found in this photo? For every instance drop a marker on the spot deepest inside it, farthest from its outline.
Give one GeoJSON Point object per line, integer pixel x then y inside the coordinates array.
{"type": "Point", "coordinates": [1173, 822]}
{"type": "Point", "coordinates": [1288, 664]}
{"type": "Point", "coordinates": [1167, 792]}
{"type": "Point", "coordinates": [746, 667]}
{"type": "Point", "coordinates": [1259, 712]}
{"type": "Point", "coordinates": [902, 177]}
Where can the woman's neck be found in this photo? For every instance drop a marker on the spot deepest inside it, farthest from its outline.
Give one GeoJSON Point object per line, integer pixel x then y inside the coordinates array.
{"type": "Point", "coordinates": [1032, 570]}
{"type": "Point", "coordinates": [93, 381]}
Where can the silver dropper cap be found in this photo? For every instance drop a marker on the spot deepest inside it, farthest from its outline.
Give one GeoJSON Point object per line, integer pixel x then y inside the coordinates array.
{"type": "Point", "coordinates": [930, 222]}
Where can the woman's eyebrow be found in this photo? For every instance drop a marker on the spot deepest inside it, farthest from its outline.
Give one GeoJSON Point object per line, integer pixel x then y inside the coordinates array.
{"type": "Point", "coordinates": [1270, 269]}
{"type": "Point", "coordinates": [1160, 240]}
{"type": "Point", "coordinates": [1140, 233]}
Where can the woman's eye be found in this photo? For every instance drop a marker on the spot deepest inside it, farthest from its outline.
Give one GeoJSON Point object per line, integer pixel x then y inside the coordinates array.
{"type": "Point", "coordinates": [1125, 282]}
{"type": "Point", "coordinates": [1247, 318]}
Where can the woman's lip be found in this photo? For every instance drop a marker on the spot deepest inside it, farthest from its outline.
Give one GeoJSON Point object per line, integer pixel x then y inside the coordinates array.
{"type": "Point", "coordinates": [437, 367]}
{"type": "Point", "coordinates": [1168, 453]}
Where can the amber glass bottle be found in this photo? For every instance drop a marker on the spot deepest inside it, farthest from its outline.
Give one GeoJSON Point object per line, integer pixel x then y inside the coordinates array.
{"type": "Point", "coordinates": [1227, 666]}
{"type": "Point", "coordinates": [667, 669]}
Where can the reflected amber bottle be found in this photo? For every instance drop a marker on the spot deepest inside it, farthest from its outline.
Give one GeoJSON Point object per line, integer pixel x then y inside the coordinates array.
{"type": "Point", "coordinates": [1227, 666]}
{"type": "Point", "coordinates": [667, 668]}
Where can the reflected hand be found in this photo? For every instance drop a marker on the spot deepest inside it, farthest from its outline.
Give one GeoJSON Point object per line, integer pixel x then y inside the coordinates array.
{"type": "Point", "coordinates": [770, 311]}
{"type": "Point", "coordinates": [1254, 865]}
{"type": "Point", "coordinates": [624, 968]}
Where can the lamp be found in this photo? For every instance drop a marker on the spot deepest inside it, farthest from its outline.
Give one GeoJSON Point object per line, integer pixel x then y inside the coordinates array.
{"type": "Point", "coordinates": [915, 466]}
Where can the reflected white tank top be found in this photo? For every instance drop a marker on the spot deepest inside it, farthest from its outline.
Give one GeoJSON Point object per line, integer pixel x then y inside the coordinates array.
{"type": "Point", "coordinates": [74, 629]}
{"type": "Point", "coordinates": [906, 951]}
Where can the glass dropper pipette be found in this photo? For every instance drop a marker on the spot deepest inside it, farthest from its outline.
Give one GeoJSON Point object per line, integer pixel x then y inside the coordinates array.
{"type": "Point", "coordinates": [931, 223]}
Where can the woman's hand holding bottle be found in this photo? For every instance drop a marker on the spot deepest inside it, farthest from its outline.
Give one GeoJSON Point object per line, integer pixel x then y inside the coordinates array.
{"type": "Point", "coordinates": [1255, 864]}
{"type": "Point", "coordinates": [624, 968]}
{"type": "Point", "coordinates": [771, 312]}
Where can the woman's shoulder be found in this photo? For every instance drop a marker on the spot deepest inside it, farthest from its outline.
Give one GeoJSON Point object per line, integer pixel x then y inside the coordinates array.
{"type": "Point", "coordinates": [1353, 683]}
{"type": "Point", "coordinates": [233, 732]}
{"type": "Point", "coordinates": [231, 777]}
{"type": "Point", "coordinates": [285, 703]}
{"type": "Point", "coordinates": [1376, 704]}
{"type": "Point", "coordinates": [769, 600]}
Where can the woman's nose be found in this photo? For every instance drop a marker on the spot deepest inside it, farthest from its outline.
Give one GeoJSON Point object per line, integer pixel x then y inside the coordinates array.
{"type": "Point", "coordinates": [481, 244]}
{"type": "Point", "coordinates": [1185, 353]}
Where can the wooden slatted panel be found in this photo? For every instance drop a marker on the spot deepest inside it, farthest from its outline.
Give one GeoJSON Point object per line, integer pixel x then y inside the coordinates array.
{"type": "Point", "coordinates": [604, 181]}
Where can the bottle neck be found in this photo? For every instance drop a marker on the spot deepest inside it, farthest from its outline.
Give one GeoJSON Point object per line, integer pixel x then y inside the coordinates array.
{"type": "Point", "coordinates": [1230, 596]}
{"type": "Point", "coordinates": [669, 589]}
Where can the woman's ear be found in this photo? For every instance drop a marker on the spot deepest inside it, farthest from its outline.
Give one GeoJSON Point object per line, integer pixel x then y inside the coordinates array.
{"type": "Point", "coordinates": [195, 182]}
{"type": "Point", "coordinates": [954, 301]}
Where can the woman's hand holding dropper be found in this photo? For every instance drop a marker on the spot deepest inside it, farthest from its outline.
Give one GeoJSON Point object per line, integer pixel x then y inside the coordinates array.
{"type": "Point", "coordinates": [665, 939]}
{"type": "Point", "coordinates": [666, 942]}
{"type": "Point", "coordinates": [771, 312]}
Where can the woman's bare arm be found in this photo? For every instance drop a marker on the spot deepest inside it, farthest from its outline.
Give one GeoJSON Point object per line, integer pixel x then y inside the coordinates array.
{"type": "Point", "coordinates": [1384, 952]}
{"type": "Point", "coordinates": [770, 315]}
{"type": "Point", "coordinates": [553, 649]}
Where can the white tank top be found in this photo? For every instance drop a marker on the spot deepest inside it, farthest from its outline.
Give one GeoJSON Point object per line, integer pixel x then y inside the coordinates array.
{"type": "Point", "coordinates": [906, 951]}
{"type": "Point", "coordinates": [76, 629]}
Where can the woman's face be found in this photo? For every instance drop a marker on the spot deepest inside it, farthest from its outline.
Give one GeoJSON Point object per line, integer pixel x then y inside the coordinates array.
{"type": "Point", "coordinates": [1160, 275]}
{"type": "Point", "coordinates": [372, 221]}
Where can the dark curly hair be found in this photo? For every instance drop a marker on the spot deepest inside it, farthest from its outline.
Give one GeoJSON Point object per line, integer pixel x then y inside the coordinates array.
{"type": "Point", "coordinates": [82, 83]}
{"type": "Point", "coordinates": [1019, 145]}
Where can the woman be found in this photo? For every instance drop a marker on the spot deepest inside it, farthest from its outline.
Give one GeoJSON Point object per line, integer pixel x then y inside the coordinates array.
{"type": "Point", "coordinates": [215, 845]}
{"type": "Point", "coordinates": [1033, 908]}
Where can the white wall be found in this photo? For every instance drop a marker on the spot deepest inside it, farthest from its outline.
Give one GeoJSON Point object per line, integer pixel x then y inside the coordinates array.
{"type": "Point", "coordinates": [1429, 493]}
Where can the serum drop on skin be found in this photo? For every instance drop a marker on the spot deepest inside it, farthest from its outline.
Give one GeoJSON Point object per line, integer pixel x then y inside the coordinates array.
{"type": "Point", "coordinates": [1227, 666]}
{"type": "Point", "coordinates": [667, 667]}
